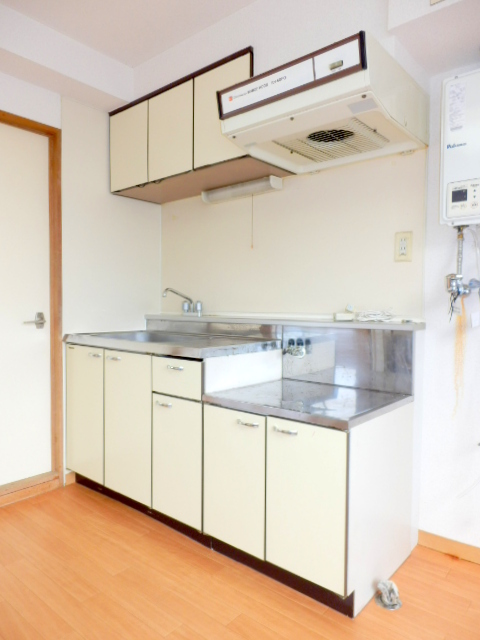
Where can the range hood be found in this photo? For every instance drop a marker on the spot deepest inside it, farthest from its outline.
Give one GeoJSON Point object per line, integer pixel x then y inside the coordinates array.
{"type": "Point", "coordinates": [347, 102]}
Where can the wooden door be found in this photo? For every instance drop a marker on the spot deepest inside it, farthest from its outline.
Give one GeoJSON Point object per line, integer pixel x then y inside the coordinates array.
{"type": "Point", "coordinates": [210, 145]}
{"type": "Point", "coordinates": [234, 479]}
{"type": "Point", "coordinates": [307, 501]}
{"type": "Point", "coordinates": [128, 147]}
{"type": "Point", "coordinates": [85, 411]}
{"type": "Point", "coordinates": [128, 429]}
{"type": "Point", "coordinates": [177, 459]}
{"type": "Point", "coordinates": [170, 132]}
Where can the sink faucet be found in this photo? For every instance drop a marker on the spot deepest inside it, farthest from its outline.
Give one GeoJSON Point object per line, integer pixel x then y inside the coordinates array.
{"type": "Point", "coordinates": [188, 306]}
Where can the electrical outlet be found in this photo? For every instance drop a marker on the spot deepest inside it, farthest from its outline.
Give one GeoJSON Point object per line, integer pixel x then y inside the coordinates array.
{"type": "Point", "coordinates": [403, 246]}
{"type": "Point", "coordinates": [475, 318]}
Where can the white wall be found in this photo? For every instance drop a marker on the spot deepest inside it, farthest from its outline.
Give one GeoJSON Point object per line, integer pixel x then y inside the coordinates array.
{"type": "Point", "coordinates": [324, 241]}
{"type": "Point", "coordinates": [28, 101]}
{"type": "Point", "coordinates": [450, 487]}
{"type": "Point", "coordinates": [111, 245]}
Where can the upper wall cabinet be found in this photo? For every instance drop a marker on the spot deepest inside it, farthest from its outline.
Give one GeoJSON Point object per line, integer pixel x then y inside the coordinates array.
{"type": "Point", "coordinates": [170, 132]}
{"type": "Point", "coordinates": [169, 145]}
{"type": "Point", "coordinates": [209, 145]}
{"type": "Point", "coordinates": [128, 147]}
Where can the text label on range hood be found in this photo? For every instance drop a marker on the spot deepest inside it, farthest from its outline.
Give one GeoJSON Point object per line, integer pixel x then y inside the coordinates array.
{"type": "Point", "coordinates": [325, 65]}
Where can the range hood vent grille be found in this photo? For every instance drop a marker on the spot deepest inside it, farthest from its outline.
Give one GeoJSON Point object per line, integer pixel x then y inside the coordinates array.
{"type": "Point", "coordinates": [350, 138]}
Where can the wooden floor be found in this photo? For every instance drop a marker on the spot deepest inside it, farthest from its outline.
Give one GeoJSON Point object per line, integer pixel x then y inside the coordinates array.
{"type": "Point", "coordinates": [75, 564]}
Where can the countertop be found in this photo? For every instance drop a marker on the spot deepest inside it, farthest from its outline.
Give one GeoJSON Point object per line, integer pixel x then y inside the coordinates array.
{"type": "Point", "coordinates": [315, 403]}
{"type": "Point", "coordinates": [171, 344]}
{"type": "Point", "coordinates": [319, 321]}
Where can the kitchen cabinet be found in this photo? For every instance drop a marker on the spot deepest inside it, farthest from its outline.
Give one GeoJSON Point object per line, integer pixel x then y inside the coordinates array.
{"type": "Point", "coordinates": [177, 377]}
{"type": "Point", "coordinates": [234, 479]}
{"type": "Point", "coordinates": [209, 144]}
{"type": "Point", "coordinates": [128, 147]}
{"type": "Point", "coordinates": [155, 145]}
{"type": "Point", "coordinates": [170, 132]}
{"type": "Point", "coordinates": [128, 427]}
{"type": "Point", "coordinates": [84, 409]}
{"type": "Point", "coordinates": [306, 492]}
{"type": "Point", "coordinates": [177, 459]}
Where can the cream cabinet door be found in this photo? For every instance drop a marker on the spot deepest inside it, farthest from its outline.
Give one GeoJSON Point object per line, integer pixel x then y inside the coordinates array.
{"type": "Point", "coordinates": [170, 132]}
{"type": "Point", "coordinates": [85, 411]}
{"type": "Point", "coordinates": [177, 377]}
{"type": "Point", "coordinates": [209, 144]}
{"type": "Point", "coordinates": [307, 501]}
{"type": "Point", "coordinates": [128, 147]}
{"type": "Point", "coordinates": [177, 459]}
{"type": "Point", "coordinates": [128, 429]}
{"type": "Point", "coordinates": [234, 479]}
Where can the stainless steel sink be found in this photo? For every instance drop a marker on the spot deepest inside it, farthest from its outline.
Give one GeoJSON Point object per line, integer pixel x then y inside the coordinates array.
{"type": "Point", "coordinates": [174, 344]}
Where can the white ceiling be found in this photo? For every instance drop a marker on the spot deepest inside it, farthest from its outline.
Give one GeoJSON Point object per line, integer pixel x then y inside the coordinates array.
{"type": "Point", "coordinates": [130, 31]}
{"type": "Point", "coordinates": [445, 39]}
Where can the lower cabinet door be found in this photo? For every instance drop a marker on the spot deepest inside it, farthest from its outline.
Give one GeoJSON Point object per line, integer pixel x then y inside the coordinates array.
{"type": "Point", "coordinates": [307, 501]}
{"type": "Point", "coordinates": [234, 479]}
{"type": "Point", "coordinates": [177, 459]}
{"type": "Point", "coordinates": [128, 425]}
{"type": "Point", "coordinates": [85, 411]}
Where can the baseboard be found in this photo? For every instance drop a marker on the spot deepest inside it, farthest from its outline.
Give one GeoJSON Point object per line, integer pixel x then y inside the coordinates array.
{"type": "Point", "coordinates": [70, 478]}
{"type": "Point", "coordinates": [450, 547]}
{"type": "Point", "coordinates": [28, 488]}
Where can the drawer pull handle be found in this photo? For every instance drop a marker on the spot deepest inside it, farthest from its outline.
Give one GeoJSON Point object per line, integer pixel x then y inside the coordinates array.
{"type": "Point", "coordinates": [248, 424]}
{"type": "Point", "coordinates": [288, 432]}
{"type": "Point", "coordinates": [167, 405]}
{"type": "Point", "coordinates": [94, 355]}
{"type": "Point", "coordinates": [169, 366]}
{"type": "Point", "coordinates": [336, 65]}
{"type": "Point", "coordinates": [114, 358]}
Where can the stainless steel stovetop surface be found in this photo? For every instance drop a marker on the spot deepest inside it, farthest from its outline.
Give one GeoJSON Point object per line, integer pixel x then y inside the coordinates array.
{"type": "Point", "coordinates": [317, 403]}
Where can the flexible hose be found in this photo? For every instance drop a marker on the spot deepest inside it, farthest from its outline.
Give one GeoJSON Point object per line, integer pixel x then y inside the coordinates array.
{"type": "Point", "coordinates": [459, 251]}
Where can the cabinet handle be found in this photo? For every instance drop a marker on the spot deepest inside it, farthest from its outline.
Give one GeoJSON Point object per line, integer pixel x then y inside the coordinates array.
{"type": "Point", "coordinates": [288, 432]}
{"type": "Point", "coordinates": [335, 65]}
{"type": "Point", "coordinates": [94, 355]}
{"type": "Point", "coordinates": [248, 424]}
{"type": "Point", "coordinates": [167, 405]}
{"type": "Point", "coordinates": [169, 366]}
{"type": "Point", "coordinates": [115, 358]}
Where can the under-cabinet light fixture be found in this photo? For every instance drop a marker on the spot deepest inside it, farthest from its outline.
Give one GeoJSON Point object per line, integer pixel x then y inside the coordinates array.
{"type": "Point", "coordinates": [242, 189]}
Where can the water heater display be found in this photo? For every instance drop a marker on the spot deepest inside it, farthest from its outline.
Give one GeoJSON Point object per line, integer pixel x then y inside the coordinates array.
{"type": "Point", "coordinates": [463, 200]}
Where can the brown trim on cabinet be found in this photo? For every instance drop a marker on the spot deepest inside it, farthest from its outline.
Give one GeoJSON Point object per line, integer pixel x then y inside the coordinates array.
{"type": "Point", "coordinates": [190, 76]}
{"type": "Point", "coordinates": [314, 591]}
{"type": "Point", "coordinates": [305, 87]}
{"type": "Point", "coordinates": [54, 136]}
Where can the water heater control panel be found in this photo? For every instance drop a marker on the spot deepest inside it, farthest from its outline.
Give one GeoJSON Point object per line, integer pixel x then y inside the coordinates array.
{"type": "Point", "coordinates": [463, 200]}
{"type": "Point", "coordinates": [460, 150]}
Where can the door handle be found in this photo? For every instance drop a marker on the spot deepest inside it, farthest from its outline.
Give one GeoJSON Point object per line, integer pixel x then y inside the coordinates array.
{"type": "Point", "coordinates": [169, 366]}
{"type": "Point", "coordinates": [39, 321]}
{"type": "Point", "coordinates": [114, 358]}
{"type": "Point", "coordinates": [248, 424]}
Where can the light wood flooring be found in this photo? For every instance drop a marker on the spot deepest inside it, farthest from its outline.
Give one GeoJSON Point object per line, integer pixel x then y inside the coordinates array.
{"type": "Point", "coordinates": [75, 564]}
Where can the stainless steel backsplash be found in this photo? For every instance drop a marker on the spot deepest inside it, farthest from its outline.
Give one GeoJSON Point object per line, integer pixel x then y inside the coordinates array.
{"type": "Point", "coordinates": [376, 359]}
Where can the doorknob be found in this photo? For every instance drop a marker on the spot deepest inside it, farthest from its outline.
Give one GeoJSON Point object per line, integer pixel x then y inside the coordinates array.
{"type": "Point", "coordinates": [39, 320]}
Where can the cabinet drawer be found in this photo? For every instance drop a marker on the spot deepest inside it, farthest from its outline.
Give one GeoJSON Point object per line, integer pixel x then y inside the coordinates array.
{"type": "Point", "coordinates": [177, 377]}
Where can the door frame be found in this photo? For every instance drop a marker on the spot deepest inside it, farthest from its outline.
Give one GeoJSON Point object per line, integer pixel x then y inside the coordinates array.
{"type": "Point", "coordinates": [50, 480]}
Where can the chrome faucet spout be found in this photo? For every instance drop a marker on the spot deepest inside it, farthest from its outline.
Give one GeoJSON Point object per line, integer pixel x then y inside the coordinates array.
{"type": "Point", "coordinates": [177, 293]}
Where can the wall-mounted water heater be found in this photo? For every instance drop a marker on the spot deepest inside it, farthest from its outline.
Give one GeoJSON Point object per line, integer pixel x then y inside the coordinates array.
{"type": "Point", "coordinates": [460, 151]}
